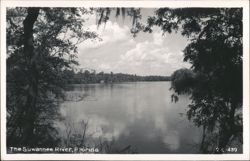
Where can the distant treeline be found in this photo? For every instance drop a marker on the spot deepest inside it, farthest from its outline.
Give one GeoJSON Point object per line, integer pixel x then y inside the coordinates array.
{"type": "Point", "coordinates": [101, 77]}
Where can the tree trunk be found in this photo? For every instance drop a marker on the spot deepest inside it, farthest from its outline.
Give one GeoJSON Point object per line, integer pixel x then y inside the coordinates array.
{"type": "Point", "coordinates": [203, 145]}
{"type": "Point", "coordinates": [30, 105]}
{"type": "Point", "coordinates": [228, 129]}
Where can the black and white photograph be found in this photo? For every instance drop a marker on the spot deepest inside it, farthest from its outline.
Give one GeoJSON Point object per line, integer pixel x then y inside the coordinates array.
{"type": "Point", "coordinates": [124, 80]}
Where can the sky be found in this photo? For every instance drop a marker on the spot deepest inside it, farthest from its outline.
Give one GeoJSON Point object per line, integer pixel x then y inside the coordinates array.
{"type": "Point", "coordinates": [120, 52]}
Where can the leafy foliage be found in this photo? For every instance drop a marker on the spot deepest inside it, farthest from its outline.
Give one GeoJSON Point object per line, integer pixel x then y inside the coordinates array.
{"type": "Point", "coordinates": [56, 33]}
{"type": "Point", "coordinates": [134, 13]}
{"type": "Point", "coordinates": [215, 79]}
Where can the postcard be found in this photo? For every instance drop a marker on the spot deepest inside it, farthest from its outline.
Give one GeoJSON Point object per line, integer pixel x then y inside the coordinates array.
{"type": "Point", "coordinates": [124, 80]}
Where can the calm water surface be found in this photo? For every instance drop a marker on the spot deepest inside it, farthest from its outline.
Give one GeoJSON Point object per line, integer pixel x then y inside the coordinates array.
{"type": "Point", "coordinates": [139, 114]}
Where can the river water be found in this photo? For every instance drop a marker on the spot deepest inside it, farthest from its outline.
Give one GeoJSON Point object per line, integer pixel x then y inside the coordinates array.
{"type": "Point", "coordinates": [136, 114]}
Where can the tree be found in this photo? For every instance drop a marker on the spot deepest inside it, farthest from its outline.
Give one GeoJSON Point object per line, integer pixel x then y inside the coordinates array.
{"type": "Point", "coordinates": [38, 53]}
{"type": "Point", "coordinates": [215, 52]}
{"type": "Point", "coordinates": [182, 82]}
{"type": "Point", "coordinates": [134, 13]}
{"type": "Point", "coordinates": [35, 68]}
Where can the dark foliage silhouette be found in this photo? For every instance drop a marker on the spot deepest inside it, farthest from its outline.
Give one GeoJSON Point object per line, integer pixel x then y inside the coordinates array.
{"type": "Point", "coordinates": [215, 79]}
{"type": "Point", "coordinates": [42, 47]}
{"type": "Point", "coordinates": [84, 77]}
{"type": "Point", "coordinates": [38, 53]}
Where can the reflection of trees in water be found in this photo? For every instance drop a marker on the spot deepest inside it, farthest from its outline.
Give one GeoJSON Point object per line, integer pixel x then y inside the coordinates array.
{"type": "Point", "coordinates": [37, 46]}
{"type": "Point", "coordinates": [77, 134]}
{"type": "Point", "coordinates": [214, 81]}
{"type": "Point", "coordinates": [220, 119]}
{"type": "Point", "coordinates": [36, 62]}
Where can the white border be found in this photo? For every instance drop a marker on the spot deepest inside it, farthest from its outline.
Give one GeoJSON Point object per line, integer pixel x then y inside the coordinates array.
{"type": "Point", "coordinates": [146, 4]}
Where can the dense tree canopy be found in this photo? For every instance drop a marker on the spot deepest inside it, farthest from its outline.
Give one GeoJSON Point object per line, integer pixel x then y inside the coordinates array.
{"type": "Point", "coordinates": [215, 78]}
{"type": "Point", "coordinates": [84, 77]}
{"type": "Point", "coordinates": [41, 45]}
{"type": "Point", "coordinates": [41, 48]}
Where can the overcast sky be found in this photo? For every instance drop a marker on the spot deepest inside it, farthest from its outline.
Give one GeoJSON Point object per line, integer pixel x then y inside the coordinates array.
{"type": "Point", "coordinates": [119, 51]}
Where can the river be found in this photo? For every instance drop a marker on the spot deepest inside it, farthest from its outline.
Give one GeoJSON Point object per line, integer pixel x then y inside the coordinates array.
{"type": "Point", "coordinates": [136, 114]}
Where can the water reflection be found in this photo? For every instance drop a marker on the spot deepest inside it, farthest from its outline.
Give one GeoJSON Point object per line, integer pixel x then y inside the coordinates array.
{"type": "Point", "coordinates": [139, 114]}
